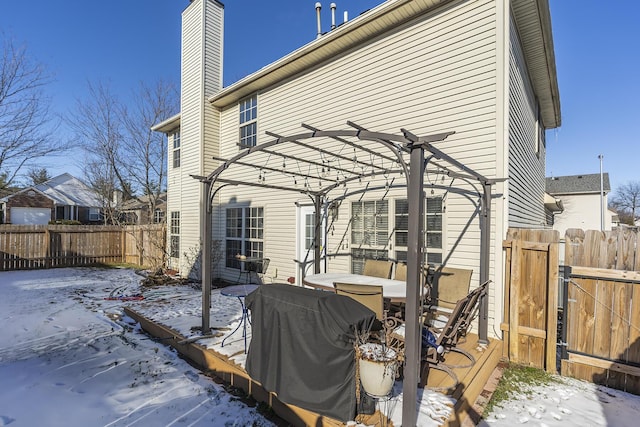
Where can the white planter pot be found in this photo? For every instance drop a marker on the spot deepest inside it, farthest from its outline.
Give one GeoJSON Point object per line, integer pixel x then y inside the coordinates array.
{"type": "Point", "coordinates": [378, 367]}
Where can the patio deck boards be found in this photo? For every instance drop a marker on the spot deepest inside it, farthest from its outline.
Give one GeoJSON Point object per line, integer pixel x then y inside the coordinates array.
{"type": "Point", "coordinates": [471, 379]}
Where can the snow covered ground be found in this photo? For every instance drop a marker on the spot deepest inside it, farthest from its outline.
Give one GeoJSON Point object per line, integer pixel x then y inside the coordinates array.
{"type": "Point", "coordinates": [568, 403]}
{"type": "Point", "coordinates": [69, 358]}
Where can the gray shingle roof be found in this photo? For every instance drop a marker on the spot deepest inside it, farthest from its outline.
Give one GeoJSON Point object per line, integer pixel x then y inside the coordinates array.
{"type": "Point", "coordinates": [573, 184]}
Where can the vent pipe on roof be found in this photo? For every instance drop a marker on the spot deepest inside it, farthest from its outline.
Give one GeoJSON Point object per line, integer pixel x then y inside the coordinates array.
{"type": "Point", "coordinates": [333, 16]}
{"type": "Point", "coordinates": [346, 16]}
{"type": "Point", "coordinates": [318, 7]}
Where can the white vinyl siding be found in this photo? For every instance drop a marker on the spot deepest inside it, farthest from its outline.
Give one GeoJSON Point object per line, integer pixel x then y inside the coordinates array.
{"type": "Point", "coordinates": [436, 73]}
{"type": "Point", "coordinates": [526, 151]}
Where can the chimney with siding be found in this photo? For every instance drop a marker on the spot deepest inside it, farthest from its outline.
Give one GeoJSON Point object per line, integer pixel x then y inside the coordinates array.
{"type": "Point", "coordinates": [201, 77]}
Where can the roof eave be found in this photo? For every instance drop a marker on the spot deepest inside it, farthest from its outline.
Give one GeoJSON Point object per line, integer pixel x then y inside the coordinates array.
{"type": "Point", "coordinates": [344, 37]}
{"type": "Point", "coordinates": [168, 125]}
{"type": "Point", "coordinates": [533, 19]}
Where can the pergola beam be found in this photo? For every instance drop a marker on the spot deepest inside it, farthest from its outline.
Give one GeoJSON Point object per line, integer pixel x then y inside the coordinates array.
{"type": "Point", "coordinates": [270, 169]}
{"type": "Point", "coordinates": [329, 154]}
{"type": "Point", "coordinates": [351, 144]}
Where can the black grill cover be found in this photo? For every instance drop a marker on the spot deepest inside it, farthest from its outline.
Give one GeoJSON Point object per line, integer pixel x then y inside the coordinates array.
{"type": "Point", "coordinates": [302, 347]}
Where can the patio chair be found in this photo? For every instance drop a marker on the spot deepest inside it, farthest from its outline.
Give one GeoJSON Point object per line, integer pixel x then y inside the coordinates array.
{"type": "Point", "coordinates": [448, 285]}
{"type": "Point", "coordinates": [438, 344]}
{"type": "Point", "coordinates": [378, 268]}
{"type": "Point", "coordinates": [367, 295]}
{"type": "Point", "coordinates": [259, 268]}
{"type": "Point", "coordinates": [401, 271]}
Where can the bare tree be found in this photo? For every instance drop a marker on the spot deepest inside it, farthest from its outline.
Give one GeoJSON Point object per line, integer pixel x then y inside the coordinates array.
{"type": "Point", "coordinates": [98, 130]}
{"type": "Point", "coordinates": [122, 152]}
{"type": "Point", "coordinates": [146, 159]}
{"type": "Point", "coordinates": [38, 175]}
{"type": "Point", "coordinates": [26, 125]}
{"type": "Point", "coordinates": [626, 201]}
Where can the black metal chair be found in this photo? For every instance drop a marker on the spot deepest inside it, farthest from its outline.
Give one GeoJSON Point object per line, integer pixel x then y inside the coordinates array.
{"type": "Point", "coordinates": [258, 267]}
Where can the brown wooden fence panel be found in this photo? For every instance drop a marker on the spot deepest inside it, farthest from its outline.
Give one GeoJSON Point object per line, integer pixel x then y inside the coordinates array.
{"type": "Point", "coordinates": [626, 249]}
{"type": "Point", "coordinates": [144, 244]}
{"type": "Point", "coordinates": [30, 247]}
{"type": "Point", "coordinates": [615, 249]}
{"type": "Point", "coordinates": [531, 299]}
{"type": "Point", "coordinates": [603, 326]}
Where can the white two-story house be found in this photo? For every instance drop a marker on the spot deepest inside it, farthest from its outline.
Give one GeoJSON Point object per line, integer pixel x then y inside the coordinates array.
{"type": "Point", "coordinates": [484, 69]}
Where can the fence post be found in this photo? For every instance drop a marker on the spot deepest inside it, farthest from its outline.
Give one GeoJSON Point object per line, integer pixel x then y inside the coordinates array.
{"type": "Point", "coordinates": [123, 244]}
{"type": "Point", "coordinates": [141, 246]}
{"type": "Point", "coordinates": [552, 307]}
{"type": "Point", "coordinates": [47, 249]}
{"type": "Point", "coordinates": [514, 290]}
{"type": "Point", "coordinates": [565, 307]}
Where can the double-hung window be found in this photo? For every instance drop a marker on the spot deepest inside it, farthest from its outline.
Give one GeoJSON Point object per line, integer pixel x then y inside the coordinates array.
{"type": "Point", "coordinates": [380, 230]}
{"type": "Point", "coordinates": [433, 237]}
{"type": "Point", "coordinates": [249, 122]}
{"type": "Point", "coordinates": [158, 216]}
{"type": "Point", "coordinates": [369, 232]}
{"type": "Point", "coordinates": [244, 234]}
{"type": "Point", "coordinates": [176, 150]}
{"type": "Point", "coordinates": [174, 242]}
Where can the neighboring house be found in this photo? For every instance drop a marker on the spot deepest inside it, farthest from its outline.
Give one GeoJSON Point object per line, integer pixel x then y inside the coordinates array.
{"type": "Point", "coordinates": [581, 201]}
{"type": "Point", "coordinates": [136, 210]}
{"type": "Point", "coordinates": [61, 198]}
{"type": "Point", "coordinates": [481, 68]}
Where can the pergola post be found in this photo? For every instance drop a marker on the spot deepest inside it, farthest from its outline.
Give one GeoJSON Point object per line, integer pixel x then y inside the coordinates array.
{"type": "Point", "coordinates": [414, 267]}
{"type": "Point", "coordinates": [485, 257]}
{"type": "Point", "coordinates": [205, 262]}
{"type": "Point", "coordinates": [317, 238]}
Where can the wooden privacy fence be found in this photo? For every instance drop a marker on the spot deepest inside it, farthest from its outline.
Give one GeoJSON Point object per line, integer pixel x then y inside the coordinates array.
{"type": "Point", "coordinates": [44, 246]}
{"type": "Point", "coordinates": [615, 250]}
{"type": "Point", "coordinates": [531, 290]}
{"type": "Point", "coordinates": [602, 327]}
{"type": "Point", "coordinates": [601, 316]}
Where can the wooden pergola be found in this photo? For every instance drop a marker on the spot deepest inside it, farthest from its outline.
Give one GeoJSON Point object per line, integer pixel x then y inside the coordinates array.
{"type": "Point", "coordinates": [327, 165]}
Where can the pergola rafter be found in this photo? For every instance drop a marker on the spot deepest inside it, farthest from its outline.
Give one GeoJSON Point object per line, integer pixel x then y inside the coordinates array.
{"type": "Point", "coordinates": [320, 152]}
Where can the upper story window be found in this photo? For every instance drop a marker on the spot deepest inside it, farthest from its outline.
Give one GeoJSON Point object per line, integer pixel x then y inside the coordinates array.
{"type": "Point", "coordinates": [176, 150]}
{"type": "Point", "coordinates": [540, 135]}
{"type": "Point", "coordinates": [249, 121]}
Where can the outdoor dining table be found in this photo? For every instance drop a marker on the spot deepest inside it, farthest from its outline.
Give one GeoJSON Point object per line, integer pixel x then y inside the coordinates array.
{"type": "Point", "coordinates": [394, 290]}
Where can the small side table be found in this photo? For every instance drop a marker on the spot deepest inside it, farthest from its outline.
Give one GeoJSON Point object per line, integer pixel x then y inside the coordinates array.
{"type": "Point", "coordinates": [240, 291]}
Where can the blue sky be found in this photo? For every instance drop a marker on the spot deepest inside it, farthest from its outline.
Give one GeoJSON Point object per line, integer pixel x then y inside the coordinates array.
{"type": "Point", "coordinates": [127, 41]}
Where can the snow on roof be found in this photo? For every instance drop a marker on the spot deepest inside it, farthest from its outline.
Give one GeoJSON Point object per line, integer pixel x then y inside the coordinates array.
{"type": "Point", "coordinates": [67, 190]}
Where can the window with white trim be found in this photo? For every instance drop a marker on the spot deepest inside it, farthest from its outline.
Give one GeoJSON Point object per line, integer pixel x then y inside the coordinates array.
{"type": "Point", "coordinates": [244, 234]}
{"type": "Point", "coordinates": [174, 228]}
{"type": "Point", "coordinates": [94, 214]}
{"type": "Point", "coordinates": [433, 229]}
{"type": "Point", "coordinates": [176, 150]}
{"type": "Point", "coordinates": [375, 234]}
{"type": "Point", "coordinates": [249, 122]}
{"type": "Point", "coordinates": [369, 232]}
{"type": "Point", "coordinates": [158, 216]}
